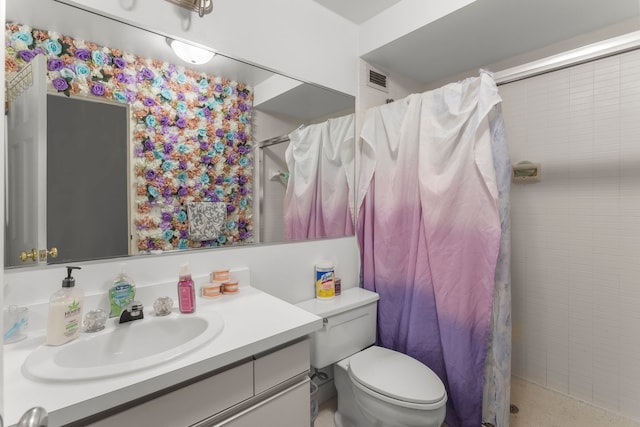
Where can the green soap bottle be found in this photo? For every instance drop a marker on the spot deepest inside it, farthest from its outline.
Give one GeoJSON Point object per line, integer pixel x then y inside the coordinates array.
{"type": "Point", "coordinates": [121, 293]}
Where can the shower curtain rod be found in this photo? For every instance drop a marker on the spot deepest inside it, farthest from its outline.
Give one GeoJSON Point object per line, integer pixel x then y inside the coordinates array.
{"type": "Point", "coordinates": [591, 52]}
{"type": "Point", "coordinates": [273, 141]}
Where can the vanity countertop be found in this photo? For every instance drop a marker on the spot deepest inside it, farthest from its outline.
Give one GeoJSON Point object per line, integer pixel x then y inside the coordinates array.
{"type": "Point", "coordinates": [254, 322]}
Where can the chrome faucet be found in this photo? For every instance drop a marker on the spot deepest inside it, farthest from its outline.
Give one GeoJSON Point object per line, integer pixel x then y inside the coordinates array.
{"type": "Point", "coordinates": [132, 311]}
{"type": "Point", "coordinates": [34, 417]}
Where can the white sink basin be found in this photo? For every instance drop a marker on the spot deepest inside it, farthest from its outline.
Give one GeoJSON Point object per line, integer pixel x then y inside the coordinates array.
{"type": "Point", "coordinates": [124, 348]}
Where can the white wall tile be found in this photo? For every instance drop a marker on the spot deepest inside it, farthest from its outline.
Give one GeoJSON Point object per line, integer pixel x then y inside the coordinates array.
{"type": "Point", "coordinates": [576, 234]}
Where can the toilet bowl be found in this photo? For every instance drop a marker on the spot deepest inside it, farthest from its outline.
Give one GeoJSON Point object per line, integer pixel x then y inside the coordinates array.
{"type": "Point", "coordinates": [375, 386]}
{"type": "Point", "coordinates": [393, 389]}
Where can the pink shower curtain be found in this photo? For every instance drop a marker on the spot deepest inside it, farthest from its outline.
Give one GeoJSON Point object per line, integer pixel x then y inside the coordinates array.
{"type": "Point", "coordinates": [318, 201]}
{"type": "Point", "coordinates": [429, 231]}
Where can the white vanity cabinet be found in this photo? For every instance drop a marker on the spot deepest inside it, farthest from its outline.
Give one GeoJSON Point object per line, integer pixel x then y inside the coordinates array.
{"type": "Point", "coordinates": [270, 389]}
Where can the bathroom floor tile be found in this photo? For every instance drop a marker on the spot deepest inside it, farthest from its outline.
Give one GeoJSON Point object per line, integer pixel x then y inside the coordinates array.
{"type": "Point", "coordinates": [537, 406]}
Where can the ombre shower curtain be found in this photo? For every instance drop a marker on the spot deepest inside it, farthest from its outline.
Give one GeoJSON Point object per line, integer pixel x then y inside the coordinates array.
{"type": "Point", "coordinates": [319, 197]}
{"type": "Point", "coordinates": [433, 230]}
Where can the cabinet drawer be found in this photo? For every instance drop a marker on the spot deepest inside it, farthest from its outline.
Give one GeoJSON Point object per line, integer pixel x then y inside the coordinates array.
{"type": "Point", "coordinates": [190, 404]}
{"type": "Point", "coordinates": [289, 408]}
{"type": "Point", "coordinates": [273, 368]}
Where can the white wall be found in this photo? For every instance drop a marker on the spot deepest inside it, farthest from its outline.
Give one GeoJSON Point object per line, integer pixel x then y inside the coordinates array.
{"type": "Point", "coordinates": [285, 270]}
{"type": "Point", "coordinates": [608, 32]}
{"type": "Point", "coordinates": [401, 19]}
{"type": "Point", "coordinates": [576, 234]}
{"type": "Point", "coordinates": [298, 38]}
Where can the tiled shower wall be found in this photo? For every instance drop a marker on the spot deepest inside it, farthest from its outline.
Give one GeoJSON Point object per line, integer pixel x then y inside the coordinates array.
{"type": "Point", "coordinates": [576, 234]}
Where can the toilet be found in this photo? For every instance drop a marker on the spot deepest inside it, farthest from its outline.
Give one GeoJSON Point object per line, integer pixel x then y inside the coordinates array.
{"type": "Point", "coordinates": [376, 386]}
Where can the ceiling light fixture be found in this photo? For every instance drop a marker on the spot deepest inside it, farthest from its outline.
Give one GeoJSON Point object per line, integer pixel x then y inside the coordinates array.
{"type": "Point", "coordinates": [201, 6]}
{"type": "Point", "coordinates": [190, 53]}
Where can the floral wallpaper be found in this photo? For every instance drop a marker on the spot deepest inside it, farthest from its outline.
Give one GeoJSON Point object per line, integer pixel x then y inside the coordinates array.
{"type": "Point", "coordinates": [191, 132]}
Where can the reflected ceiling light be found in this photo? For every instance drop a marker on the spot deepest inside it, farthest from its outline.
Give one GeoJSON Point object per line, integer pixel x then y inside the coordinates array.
{"type": "Point", "coordinates": [201, 6]}
{"type": "Point", "coordinates": [190, 53]}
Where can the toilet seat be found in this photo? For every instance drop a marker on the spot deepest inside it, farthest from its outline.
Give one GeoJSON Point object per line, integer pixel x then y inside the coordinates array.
{"type": "Point", "coordinates": [396, 378]}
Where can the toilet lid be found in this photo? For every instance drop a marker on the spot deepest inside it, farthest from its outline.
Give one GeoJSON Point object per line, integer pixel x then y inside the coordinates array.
{"type": "Point", "coordinates": [396, 375]}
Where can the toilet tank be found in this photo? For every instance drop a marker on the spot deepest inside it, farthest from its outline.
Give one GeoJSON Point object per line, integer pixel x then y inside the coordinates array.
{"type": "Point", "coordinates": [349, 325]}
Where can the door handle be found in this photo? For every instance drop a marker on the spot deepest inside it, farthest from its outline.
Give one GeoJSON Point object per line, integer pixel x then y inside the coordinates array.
{"type": "Point", "coordinates": [29, 255]}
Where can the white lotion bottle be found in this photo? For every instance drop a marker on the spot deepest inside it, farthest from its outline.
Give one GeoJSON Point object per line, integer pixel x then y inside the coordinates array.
{"type": "Point", "coordinates": [65, 312]}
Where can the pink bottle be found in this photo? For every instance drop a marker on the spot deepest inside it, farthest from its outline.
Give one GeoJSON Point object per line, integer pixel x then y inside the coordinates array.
{"type": "Point", "coordinates": [186, 291]}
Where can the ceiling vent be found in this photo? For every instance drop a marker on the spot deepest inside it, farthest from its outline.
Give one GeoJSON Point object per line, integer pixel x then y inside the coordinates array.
{"type": "Point", "coordinates": [376, 79]}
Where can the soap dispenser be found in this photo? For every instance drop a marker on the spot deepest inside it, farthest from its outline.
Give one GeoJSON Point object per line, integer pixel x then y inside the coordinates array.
{"type": "Point", "coordinates": [65, 311]}
{"type": "Point", "coordinates": [121, 293]}
{"type": "Point", "coordinates": [186, 290]}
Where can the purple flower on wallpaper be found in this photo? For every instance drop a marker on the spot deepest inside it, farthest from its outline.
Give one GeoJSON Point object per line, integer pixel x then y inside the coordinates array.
{"type": "Point", "coordinates": [181, 123]}
{"type": "Point", "coordinates": [149, 102]}
{"type": "Point", "coordinates": [183, 191]}
{"type": "Point", "coordinates": [243, 107]}
{"type": "Point", "coordinates": [206, 160]}
{"type": "Point", "coordinates": [230, 208]}
{"type": "Point", "coordinates": [218, 88]}
{"type": "Point", "coordinates": [147, 74]}
{"type": "Point", "coordinates": [219, 133]}
{"type": "Point", "coordinates": [54, 64]}
{"type": "Point", "coordinates": [137, 151]}
{"type": "Point", "coordinates": [26, 55]}
{"type": "Point", "coordinates": [219, 180]}
{"type": "Point", "coordinates": [166, 192]}
{"type": "Point", "coordinates": [202, 98]}
{"type": "Point", "coordinates": [119, 62]}
{"type": "Point", "coordinates": [180, 96]}
{"type": "Point", "coordinates": [164, 121]}
{"type": "Point", "coordinates": [183, 164]}
{"type": "Point", "coordinates": [242, 179]}
{"type": "Point", "coordinates": [150, 174]}
{"type": "Point", "coordinates": [83, 54]}
{"type": "Point", "coordinates": [184, 234]}
{"type": "Point", "coordinates": [148, 144]}
{"type": "Point", "coordinates": [60, 84]}
{"type": "Point", "coordinates": [243, 191]}
{"type": "Point", "coordinates": [131, 95]}
{"type": "Point", "coordinates": [166, 216]}
{"type": "Point", "coordinates": [233, 110]}
{"type": "Point", "coordinates": [121, 78]}
{"type": "Point", "coordinates": [242, 223]}
{"type": "Point", "coordinates": [243, 235]}
{"type": "Point", "coordinates": [230, 143]}
{"type": "Point", "coordinates": [242, 149]}
{"type": "Point", "coordinates": [97, 89]}
{"type": "Point", "coordinates": [167, 148]}
{"type": "Point", "coordinates": [206, 112]}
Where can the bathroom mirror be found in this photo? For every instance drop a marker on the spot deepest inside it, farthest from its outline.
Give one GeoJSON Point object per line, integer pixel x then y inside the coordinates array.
{"type": "Point", "coordinates": [240, 164]}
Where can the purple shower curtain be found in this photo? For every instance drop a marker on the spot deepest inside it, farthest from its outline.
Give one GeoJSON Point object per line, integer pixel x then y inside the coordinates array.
{"type": "Point", "coordinates": [429, 231]}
